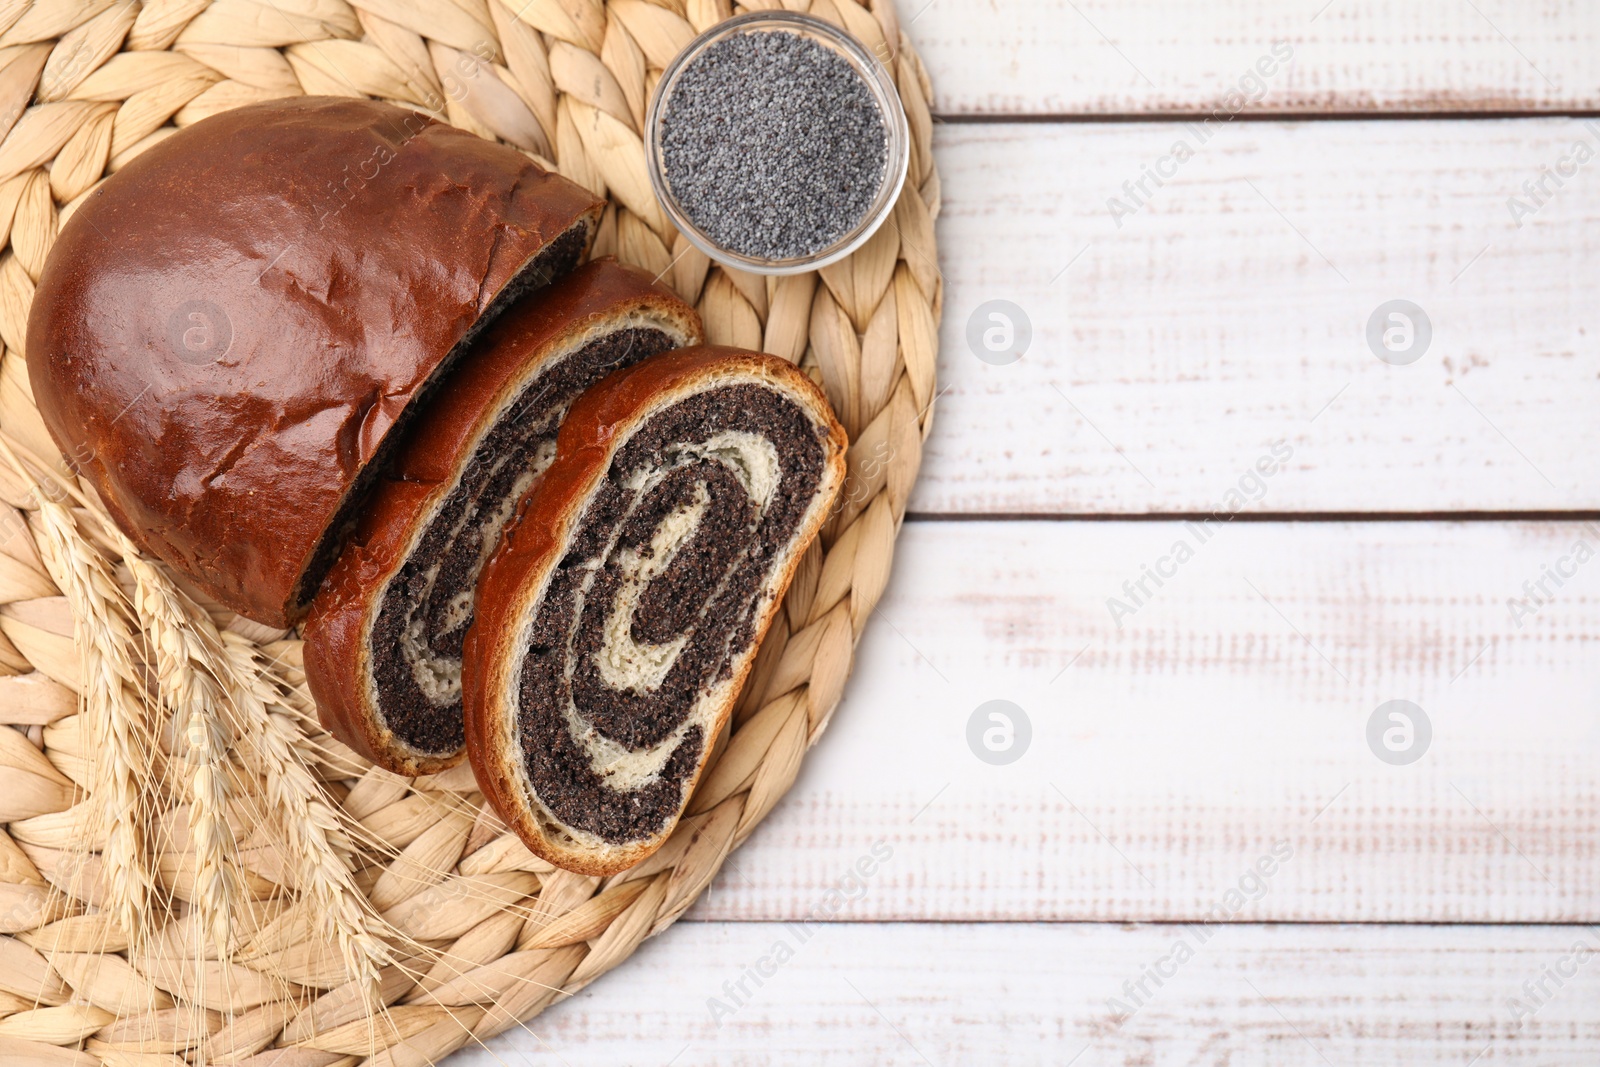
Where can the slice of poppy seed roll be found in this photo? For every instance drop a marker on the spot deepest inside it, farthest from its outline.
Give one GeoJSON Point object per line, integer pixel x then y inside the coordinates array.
{"type": "Point", "coordinates": [383, 640]}
{"type": "Point", "coordinates": [622, 611]}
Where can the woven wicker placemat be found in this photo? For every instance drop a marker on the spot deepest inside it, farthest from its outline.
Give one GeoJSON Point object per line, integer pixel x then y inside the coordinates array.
{"type": "Point", "coordinates": [192, 871]}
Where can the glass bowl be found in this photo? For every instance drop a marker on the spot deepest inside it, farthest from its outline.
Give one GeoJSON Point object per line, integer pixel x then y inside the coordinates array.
{"type": "Point", "coordinates": [878, 82]}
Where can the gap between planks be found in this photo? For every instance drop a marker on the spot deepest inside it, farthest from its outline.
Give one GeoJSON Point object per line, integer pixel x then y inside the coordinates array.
{"type": "Point", "coordinates": [1575, 515]}
{"type": "Point", "coordinates": [1147, 118]}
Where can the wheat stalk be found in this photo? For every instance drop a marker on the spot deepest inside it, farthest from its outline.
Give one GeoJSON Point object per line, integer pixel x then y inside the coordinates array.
{"type": "Point", "coordinates": [113, 700]}
{"type": "Point", "coordinates": [199, 673]}
{"type": "Point", "coordinates": [319, 847]}
{"type": "Point", "coordinates": [116, 713]}
{"type": "Point", "coordinates": [189, 669]}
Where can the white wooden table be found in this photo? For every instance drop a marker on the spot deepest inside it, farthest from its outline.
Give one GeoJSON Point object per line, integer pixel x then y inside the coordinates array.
{"type": "Point", "coordinates": [1200, 857]}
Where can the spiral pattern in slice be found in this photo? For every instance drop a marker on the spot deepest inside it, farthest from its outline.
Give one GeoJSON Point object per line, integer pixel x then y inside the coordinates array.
{"type": "Point", "coordinates": [631, 650]}
{"type": "Point", "coordinates": [637, 629]}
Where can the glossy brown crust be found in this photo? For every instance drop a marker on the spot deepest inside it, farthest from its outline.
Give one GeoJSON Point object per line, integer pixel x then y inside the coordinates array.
{"type": "Point", "coordinates": [533, 543]}
{"type": "Point", "coordinates": [434, 450]}
{"type": "Point", "coordinates": [226, 330]}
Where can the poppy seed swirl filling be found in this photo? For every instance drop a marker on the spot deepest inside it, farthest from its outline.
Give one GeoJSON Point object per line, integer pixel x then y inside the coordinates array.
{"type": "Point", "coordinates": [427, 606]}
{"type": "Point", "coordinates": [631, 650]}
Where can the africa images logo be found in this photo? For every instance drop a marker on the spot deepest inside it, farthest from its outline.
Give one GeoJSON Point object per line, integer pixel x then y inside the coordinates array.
{"type": "Point", "coordinates": [1399, 732]}
{"type": "Point", "coordinates": [1399, 332]}
{"type": "Point", "coordinates": [999, 332]}
{"type": "Point", "coordinates": [999, 732]}
{"type": "Point", "coordinates": [199, 332]}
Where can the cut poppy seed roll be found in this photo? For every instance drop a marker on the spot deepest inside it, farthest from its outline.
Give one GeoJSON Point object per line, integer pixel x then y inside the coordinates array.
{"type": "Point", "coordinates": [383, 640]}
{"type": "Point", "coordinates": [622, 611]}
{"type": "Point", "coordinates": [231, 330]}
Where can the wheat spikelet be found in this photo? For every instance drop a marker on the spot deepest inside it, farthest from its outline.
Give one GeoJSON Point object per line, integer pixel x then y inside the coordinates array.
{"type": "Point", "coordinates": [113, 701]}
{"type": "Point", "coordinates": [318, 846]}
{"type": "Point", "coordinates": [188, 657]}
{"type": "Point", "coordinates": [116, 713]}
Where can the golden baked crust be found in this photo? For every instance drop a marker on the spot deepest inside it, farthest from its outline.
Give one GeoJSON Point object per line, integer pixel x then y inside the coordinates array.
{"type": "Point", "coordinates": [228, 329]}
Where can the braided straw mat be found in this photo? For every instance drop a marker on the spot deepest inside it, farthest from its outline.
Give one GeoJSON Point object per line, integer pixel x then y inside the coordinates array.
{"type": "Point", "coordinates": [192, 871]}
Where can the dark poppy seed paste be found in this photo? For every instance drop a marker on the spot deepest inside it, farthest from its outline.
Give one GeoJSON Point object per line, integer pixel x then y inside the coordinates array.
{"type": "Point", "coordinates": [657, 595]}
{"type": "Point", "coordinates": [428, 604]}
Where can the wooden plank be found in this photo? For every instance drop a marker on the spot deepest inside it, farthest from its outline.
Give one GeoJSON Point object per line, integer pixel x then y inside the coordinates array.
{"type": "Point", "coordinates": [1097, 57]}
{"type": "Point", "coordinates": [1231, 311]}
{"type": "Point", "coordinates": [1225, 717]}
{"type": "Point", "coordinates": [1248, 996]}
